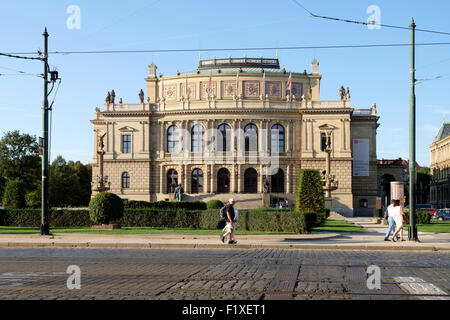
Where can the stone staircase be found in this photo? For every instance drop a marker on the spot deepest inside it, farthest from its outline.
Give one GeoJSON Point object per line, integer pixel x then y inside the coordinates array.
{"type": "Point", "coordinates": [244, 201]}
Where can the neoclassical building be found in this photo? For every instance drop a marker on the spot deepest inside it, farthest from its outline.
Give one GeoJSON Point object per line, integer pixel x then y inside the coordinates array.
{"type": "Point", "coordinates": [440, 168]}
{"type": "Point", "coordinates": [236, 127]}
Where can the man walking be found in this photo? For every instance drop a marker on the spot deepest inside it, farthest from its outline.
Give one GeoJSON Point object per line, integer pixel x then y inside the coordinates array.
{"type": "Point", "coordinates": [231, 220]}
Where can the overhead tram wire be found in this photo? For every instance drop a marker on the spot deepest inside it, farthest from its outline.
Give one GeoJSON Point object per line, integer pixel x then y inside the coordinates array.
{"type": "Point", "coordinates": [367, 23]}
{"type": "Point", "coordinates": [380, 45]}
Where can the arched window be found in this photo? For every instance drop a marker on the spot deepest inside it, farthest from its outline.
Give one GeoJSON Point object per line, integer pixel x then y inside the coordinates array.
{"type": "Point", "coordinates": [125, 180]}
{"type": "Point", "coordinates": [173, 139]}
{"type": "Point", "coordinates": [223, 181]}
{"type": "Point", "coordinates": [251, 137]}
{"type": "Point", "coordinates": [224, 138]}
{"type": "Point", "coordinates": [197, 181]}
{"type": "Point", "coordinates": [250, 181]}
{"type": "Point", "coordinates": [278, 138]}
{"type": "Point", "coordinates": [197, 138]}
{"type": "Point", "coordinates": [172, 180]}
{"type": "Point", "coordinates": [278, 182]}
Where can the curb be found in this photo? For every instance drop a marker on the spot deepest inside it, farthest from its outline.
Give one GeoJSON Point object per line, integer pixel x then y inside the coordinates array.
{"type": "Point", "coordinates": [214, 246]}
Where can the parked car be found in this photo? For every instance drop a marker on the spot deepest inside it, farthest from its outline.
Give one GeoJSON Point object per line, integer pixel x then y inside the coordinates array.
{"type": "Point", "coordinates": [429, 210]}
{"type": "Point", "coordinates": [443, 214]}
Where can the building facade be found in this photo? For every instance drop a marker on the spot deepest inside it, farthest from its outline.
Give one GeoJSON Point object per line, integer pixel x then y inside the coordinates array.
{"type": "Point", "coordinates": [440, 168]}
{"type": "Point", "coordinates": [235, 127]}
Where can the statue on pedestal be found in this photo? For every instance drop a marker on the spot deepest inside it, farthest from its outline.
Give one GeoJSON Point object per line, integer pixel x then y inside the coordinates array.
{"type": "Point", "coordinates": [342, 92]}
{"type": "Point", "coordinates": [112, 97]}
{"type": "Point", "coordinates": [178, 193]}
{"type": "Point", "coordinates": [141, 96]}
{"type": "Point", "coordinates": [108, 98]}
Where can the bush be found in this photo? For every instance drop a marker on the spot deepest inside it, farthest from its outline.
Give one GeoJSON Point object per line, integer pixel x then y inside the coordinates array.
{"type": "Point", "coordinates": [33, 199]}
{"type": "Point", "coordinates": [214, 204]}
{"type": "Point", "coordinates": [105, 207]}
{"type": "Point", "coordinates": [422, 217]}
{"type": "Point", "coordinates": [14, 194]}
{"type": "Point", "coordinates": [310, 195]}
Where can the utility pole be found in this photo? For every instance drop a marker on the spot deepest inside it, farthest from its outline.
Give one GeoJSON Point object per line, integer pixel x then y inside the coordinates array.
{"type": "Point", "coordinates": [412, 232]}
{"type": "Point", "coordinates": [45, 227]}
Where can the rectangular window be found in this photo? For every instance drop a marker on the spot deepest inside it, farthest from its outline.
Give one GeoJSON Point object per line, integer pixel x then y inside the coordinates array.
{"type": "Point", "coordinates": [126, 143]}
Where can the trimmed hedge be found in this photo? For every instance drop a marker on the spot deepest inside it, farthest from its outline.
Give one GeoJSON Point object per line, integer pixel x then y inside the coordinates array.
{"type": "Point", "coordinates": [422, 217]}
{"type": "Point", "coordinates": [268, 221]}
{"type": "Point", "coordinates": [186, 205]}
{"type": "Point", "coordinates": [32, 218]}
{"type": "Point", "coordinates": [214, 204]}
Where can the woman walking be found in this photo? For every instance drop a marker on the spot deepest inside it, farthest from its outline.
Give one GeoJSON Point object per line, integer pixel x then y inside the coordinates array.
{"type": "Point", "coordinates": [398, 217]}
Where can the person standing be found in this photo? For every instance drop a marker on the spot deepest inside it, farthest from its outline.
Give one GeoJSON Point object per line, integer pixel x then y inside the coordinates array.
{"type": "Point", "coordinates": [391, 221]}
{"type": "Point", "coordinates": [231, 220]}
{"type": "Point", "coordinates": [398, 217]}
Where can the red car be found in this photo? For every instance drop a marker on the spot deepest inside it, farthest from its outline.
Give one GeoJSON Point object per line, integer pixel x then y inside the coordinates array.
{"type": "Point", "coordinates": [429, 210]}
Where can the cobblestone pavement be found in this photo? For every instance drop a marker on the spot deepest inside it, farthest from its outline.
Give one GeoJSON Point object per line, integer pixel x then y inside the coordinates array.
{"type": "Point", "coordinates": [271, 274]}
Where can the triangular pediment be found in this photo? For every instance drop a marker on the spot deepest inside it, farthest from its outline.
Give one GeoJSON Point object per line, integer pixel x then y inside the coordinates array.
{"type": "Point", "coordinates": [127, 129]}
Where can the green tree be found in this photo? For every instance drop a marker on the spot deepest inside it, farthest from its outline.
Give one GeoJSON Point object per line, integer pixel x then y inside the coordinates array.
{"type": "Point", "coordinates": [33, 199]}
{"type": "Point", "coordinates": [19, 158]}
{"type": "Point", "coordinates": [84, 174]}
{"type": "Point", "coordinates": [64, 184]}
{"type": "Point", "coordinates": [70, 183]}
{"type": "Point", "coordinates": [14, 194]}
{"type": "Point", "coordinates": [423, 185]}
{"type": "Point", "coordinates": [310, 195]}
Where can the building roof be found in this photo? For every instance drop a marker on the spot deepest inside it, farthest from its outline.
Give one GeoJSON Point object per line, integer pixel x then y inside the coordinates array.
{"type": "Point", "coordinates": [444, 132]}
{"type": "Point", "coordinates": [242, 66]}
{"type": "Point", "coordinates": [253, 70]}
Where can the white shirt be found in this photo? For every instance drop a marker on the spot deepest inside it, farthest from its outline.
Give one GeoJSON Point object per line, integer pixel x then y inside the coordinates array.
{"type": "Point", "coordinates": [390, 211]}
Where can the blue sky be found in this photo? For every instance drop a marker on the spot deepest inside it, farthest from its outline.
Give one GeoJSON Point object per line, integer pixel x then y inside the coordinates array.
{"type": "Point", "coordinates": [378, 75]}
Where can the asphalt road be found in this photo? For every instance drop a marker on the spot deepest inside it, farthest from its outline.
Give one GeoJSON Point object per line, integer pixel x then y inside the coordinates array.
{"type": "Point", "coordinates": [263, 274]}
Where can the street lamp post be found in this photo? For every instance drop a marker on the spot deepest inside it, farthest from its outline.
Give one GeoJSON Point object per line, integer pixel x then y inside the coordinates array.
{"type": "Point", "coordinates": [412, 232]}
{"type": "Point", "coordinates": [330, 184]}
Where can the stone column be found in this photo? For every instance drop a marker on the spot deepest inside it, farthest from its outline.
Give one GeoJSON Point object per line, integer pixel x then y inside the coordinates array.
{"type": "Point", "coordinates": [213, 179]}
{"type": "Point", "coordinates": [261, 179]}
{"type": "Point", "coordinates": [162, 140]}
{"type": "Point", "coordinates": [288, 136]}
{"type": "Point", "coordinates": [305, 135]}
{"type": "Point", "coordinates": [143, 136]}
{"type": "Point", "coordinates": [207, 178]}
{"type": "Point", "coordinates": [113, 140]}
{"type": "Point", "coordinates": [288, 179]}
{"type": "Point", "coordinates": [311, 146]}
{"type": "Point", "coordinates": [347, 134]}
{"type": "Point", "coordinates": [184, 182]}
{"type": "Point", "coordinates": [161, 179]}
{"type": "Point", "coordinates": [268, 138]}
{"type": "Point", "coordinates": [107, 136]}
{"type": "Point", "coordinates": [239, 182]}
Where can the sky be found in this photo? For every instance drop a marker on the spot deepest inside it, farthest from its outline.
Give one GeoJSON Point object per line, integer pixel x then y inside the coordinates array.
{"type": "Point", "coordinates": [374, 75]}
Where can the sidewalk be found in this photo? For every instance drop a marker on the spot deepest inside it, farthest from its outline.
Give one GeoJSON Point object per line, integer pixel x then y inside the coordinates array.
{"type": "Point", "coordinates": [372, 240]}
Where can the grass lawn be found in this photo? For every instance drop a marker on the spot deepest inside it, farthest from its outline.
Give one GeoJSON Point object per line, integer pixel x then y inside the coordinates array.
{"type": "Point", "coordinates": [338, 226]}
{"type": "Point", "coordinates": [127, 230]}
{"type": "Point", "coordinates": [435, 227]}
